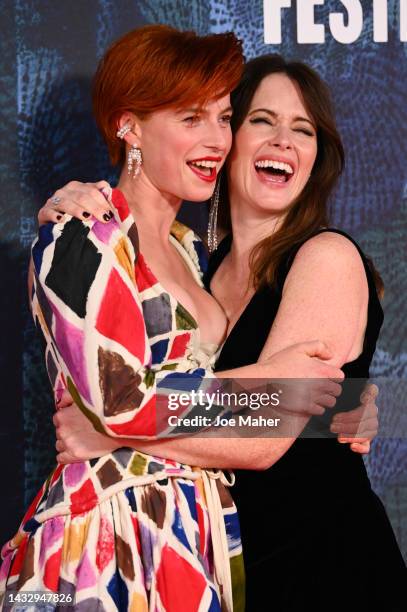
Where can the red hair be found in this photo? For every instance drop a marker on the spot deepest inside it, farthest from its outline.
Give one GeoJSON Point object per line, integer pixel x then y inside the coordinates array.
{"type": "Point", "coordinates": [157, 67]}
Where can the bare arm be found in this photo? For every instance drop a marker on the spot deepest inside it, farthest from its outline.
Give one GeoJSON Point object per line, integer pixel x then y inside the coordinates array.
{"type": "Point", "coordinates": [325, 296]}
{"type": "Point", "coordinates": [237, 453]}
{"type": "Point", "coordinates": [78, 441]}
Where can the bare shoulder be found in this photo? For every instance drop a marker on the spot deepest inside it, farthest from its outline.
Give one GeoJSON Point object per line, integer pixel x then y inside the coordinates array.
{"type": "Point", "coordinates": [325, 296]}
{"type": "Point", "coordinates": [329, 252]}
{"type": "Point", "coordinates": [328, 262]}
{"type": "Point", "coordinates": [329, 244]}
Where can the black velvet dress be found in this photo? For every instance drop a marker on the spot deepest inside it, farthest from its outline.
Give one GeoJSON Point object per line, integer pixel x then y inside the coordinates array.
{"type": "Point", "coordinates": [315, 536]}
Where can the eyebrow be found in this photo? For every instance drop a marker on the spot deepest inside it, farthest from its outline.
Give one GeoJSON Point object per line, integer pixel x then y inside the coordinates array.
{"type": "Point", "coordinates": [198, 109]}
{"type": "Point", "coordinates": [275, 115]}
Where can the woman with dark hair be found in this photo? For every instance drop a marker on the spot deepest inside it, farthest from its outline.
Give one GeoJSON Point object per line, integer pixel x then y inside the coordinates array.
{"type": "Point", "coordinates": [284, 276]}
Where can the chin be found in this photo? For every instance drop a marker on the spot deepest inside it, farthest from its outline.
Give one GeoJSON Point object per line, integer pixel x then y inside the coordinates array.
{"type": "Point", "coordinates": [276, 206]}
{"type": "Point", "coordinates": [198, 196]}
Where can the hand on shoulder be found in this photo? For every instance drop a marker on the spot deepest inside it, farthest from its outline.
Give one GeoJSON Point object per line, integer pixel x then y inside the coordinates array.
{"type": "Point", "coordinates": [80, 200]}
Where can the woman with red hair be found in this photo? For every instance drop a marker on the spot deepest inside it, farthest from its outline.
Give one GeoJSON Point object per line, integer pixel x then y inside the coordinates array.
{"type": "Point", "coordinates": [131, 531]}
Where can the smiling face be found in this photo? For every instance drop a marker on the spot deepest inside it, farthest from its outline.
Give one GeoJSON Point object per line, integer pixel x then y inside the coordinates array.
{"type": "Point", "coordinates": [274, 149]}
{"type": "Point", "coordinates": [183, 150]}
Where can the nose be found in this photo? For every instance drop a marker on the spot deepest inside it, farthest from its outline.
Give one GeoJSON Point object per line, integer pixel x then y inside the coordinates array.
{"type": "Point", "coordinates": [281, 138]}
{"type": "Point", "coordinates": [218, 137]}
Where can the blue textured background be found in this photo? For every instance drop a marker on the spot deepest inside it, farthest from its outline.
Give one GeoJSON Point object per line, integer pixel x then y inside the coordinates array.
{"type": "Point", "coordinates": [48, 53]}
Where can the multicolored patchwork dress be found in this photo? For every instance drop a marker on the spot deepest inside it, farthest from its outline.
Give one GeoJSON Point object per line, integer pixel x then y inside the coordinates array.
{"type": "Point", "coordinates": [127, 531]}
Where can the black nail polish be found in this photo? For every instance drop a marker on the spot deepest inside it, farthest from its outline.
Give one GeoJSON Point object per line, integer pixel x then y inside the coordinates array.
{"type": "Point", "coordinates": [106, 217]}
{"type": "Point", "coordinates": [59, 217]}
{"type": "Point", "coordinates": [86, 214]}
{"type": "Point", "coordinates": [110, 214]}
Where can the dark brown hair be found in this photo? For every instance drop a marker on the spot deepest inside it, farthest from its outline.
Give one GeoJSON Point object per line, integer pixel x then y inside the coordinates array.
{"type": "Point", "coordinates": [157, 67]}
{"type": "Point", "coordinates": [309, 212]}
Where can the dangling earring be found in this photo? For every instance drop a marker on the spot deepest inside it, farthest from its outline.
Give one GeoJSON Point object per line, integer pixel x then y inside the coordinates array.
{"type": "Point", "coordinates": [213, 218]}
{"type": "Point", "coordinates": [134, 157]}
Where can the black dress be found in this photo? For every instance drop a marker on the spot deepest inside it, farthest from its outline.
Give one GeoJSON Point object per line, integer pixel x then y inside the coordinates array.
{"type": "Point", "coordinates": [315, 536]}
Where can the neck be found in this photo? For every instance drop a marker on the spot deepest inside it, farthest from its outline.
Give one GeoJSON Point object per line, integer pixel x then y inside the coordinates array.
{"type": "Point", "coordinates": [249, 227]}
{"type": "Point", "coordinates": [154, 211]}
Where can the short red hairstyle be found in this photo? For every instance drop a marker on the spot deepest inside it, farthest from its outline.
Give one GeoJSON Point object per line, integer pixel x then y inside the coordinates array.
{"type": "Point", "coordinates": [157, 67]}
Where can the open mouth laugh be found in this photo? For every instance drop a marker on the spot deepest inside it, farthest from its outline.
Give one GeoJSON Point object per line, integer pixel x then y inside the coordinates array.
{"type": "Point", "coordinates": [205, 168]}
{"type": "Point", "coordinates": [273, 171]}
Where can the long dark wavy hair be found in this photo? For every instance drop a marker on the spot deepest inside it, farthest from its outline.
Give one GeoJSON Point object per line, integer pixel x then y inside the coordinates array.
{"type": "Point", "coordinates": [309, 211]}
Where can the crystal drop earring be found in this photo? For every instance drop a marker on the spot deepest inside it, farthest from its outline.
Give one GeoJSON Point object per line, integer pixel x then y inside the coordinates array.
{"type": "Point", "coordinates": [135, 159]}
{"type": "Point", "coordinates": [213, 219]}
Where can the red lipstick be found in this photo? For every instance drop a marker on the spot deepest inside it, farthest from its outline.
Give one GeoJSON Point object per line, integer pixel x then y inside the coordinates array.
{"type": "Point", "coordinates": [208, 175]}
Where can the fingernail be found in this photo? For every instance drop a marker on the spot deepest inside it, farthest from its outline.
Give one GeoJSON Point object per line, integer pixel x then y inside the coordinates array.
{"type": "Point", "coordinates": [110, 213]}
{"type": "Point", "coordinates": [59, 217]}
{"type": "Point", "coordinates": [106, 217]}
{"type": "Point", "coordinates": [86, 214]}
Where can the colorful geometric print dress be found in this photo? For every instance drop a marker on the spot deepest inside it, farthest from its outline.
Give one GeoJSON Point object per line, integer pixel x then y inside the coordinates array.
{"type": "Point", "coordinates": [127, 531]}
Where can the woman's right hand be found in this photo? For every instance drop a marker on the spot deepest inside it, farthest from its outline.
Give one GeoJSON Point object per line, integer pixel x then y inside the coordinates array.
{"type": "Point", "coordinates": [77, 440]}
{"type": "Point", "coordinates": [80, 200]}
{"type": "Point", "coordinates": [314, 384]}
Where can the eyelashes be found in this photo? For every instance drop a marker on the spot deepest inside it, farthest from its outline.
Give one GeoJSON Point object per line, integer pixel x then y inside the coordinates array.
{"type": "Point", "coordinates": [195, 119]}
{"type": "Point", "coordinates": [260, 120]}
{"type": "Point", "coordinates": [304, 131]}
{"type": "Point", "coordinates": [268, 122]}
{"type": "Point", "coordinates": [192, 119]}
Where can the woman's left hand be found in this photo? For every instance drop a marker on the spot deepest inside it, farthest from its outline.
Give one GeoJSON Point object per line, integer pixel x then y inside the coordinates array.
{"type": "Point", "coordinates": [359, 426]}
{"type": "Point", "coordinates": [77, 440]}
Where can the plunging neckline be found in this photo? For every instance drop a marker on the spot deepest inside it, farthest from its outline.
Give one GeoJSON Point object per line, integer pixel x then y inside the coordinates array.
{"type": "Point", "coordinates": [163, 289]}
{"type": "Point", "coordinates": [139, 254]}
{"type": "Point", "coordinates": [213, 346]}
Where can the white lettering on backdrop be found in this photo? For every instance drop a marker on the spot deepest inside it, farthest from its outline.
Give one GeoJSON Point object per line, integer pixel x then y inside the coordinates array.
{"type": "Point", "coordinates": [345, 26]}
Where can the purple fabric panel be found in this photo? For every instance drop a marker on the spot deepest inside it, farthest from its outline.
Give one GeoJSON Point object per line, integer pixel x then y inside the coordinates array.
{"type": "Point", "coordinates": [70, 341]}
{"type": "Point", "coordinates": [103, 231]}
